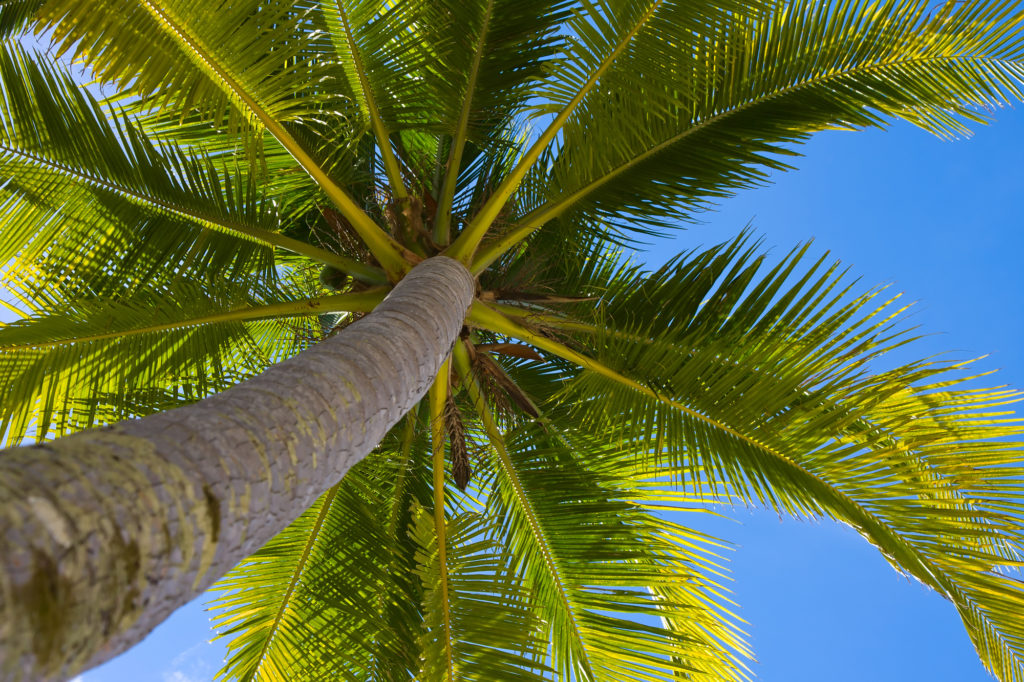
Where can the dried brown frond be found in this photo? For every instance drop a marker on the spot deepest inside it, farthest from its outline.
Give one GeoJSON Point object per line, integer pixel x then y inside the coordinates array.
{"type": "Point", "coordinates": [456, 430]}
{"type": "Point", "coordinates": [345, 236]}
{"type": "Point", "coordinates": [502, 389]}
{"type": "Point", "coordinates": [429, 204]}
{"type": "Point", "coordinates": [486, 373]}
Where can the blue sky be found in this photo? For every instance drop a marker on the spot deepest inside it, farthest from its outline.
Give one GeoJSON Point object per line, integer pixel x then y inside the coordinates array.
{"type": "Point", "coordinates": [943, 222]}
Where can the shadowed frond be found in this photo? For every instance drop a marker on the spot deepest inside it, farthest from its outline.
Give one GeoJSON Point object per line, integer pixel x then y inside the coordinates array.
{"type": "Point", "coordinates": [15, 15]}
{"type": "Point", "coordinates": [381, 50]}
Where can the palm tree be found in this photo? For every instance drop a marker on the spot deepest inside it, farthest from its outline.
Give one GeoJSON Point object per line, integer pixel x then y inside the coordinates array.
{"type": "Point", "coordinates": [289, 220]}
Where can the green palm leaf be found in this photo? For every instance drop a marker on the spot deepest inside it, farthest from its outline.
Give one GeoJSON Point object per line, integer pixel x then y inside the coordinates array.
{"type": "Point", "coordinates": [599, 563]}
{"type": "Point", "coordinates": [605, 32]}
{"type": "Point", "coordinates": [283, 606]}
{"type": "Point", "coordinates": [499, 51]}
{"type": "Point", "coordinates": [607, 569]}
{"type": "Point", "coordinates": [383, 72]}
{"type": "Point", "coordinates": [494, 631]}
{"type": "Point", "coordinates": [264, 53]}
{"type": "Point", "coordinates": [237, 64]}
{"type": "Point", "coordinates": [85, 360]}
{"type": "Point", "coordinates": [58, 148]}
{"type": "Point", "coordinates": [720, 114]}
{"type": "Point", "coordinates": [15, 15]}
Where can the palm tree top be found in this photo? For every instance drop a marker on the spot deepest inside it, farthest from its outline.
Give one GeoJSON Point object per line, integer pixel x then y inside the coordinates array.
{"type": "Point", "coordinates": [261, 174]}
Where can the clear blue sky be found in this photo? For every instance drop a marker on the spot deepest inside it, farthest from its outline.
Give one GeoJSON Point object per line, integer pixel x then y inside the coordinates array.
{"type": "Point", "coordinates": [942, 221]}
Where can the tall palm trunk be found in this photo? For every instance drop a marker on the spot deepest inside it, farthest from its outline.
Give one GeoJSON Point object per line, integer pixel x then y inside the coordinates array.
{"type": "Point", "coordinates": [104, 533]}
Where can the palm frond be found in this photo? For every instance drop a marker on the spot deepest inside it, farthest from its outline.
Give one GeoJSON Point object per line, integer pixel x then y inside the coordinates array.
{"type": "Point", "coordinates": [369, 44]}
{"type": "Point", "coordinates": [307, 605]}
{"type": "Point", "coordinates": [492, 627]}
{"type": "Point", "coordinates": [499, 49]}
{"type": "Point", "coordinates": [720, 374]}
{"type": "Point", "coordinates": [238, 64]}
{"type": "Point", "coordinates": [615, 581]}
{"type": "Point", "coordinates": [83, 360]}
{"type": "Point", "coordinates": [603, 33]}
{"type": "Point", "coordinates": [15, 15]}
{"type": "Point", "coordinates": [440, 659]}
{"type": "Point", "coordinates": [722, 108]}
{"type": "Point", "coordinates": [81, 175]}
{"type": "Point", "coordinates": [601, 566]}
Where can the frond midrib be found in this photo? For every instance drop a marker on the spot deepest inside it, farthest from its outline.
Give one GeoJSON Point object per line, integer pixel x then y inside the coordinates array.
{"type": "Point", "coordinates": [252, 233]}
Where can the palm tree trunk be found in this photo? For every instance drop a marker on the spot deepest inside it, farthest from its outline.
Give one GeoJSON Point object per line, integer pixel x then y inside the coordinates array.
{"type": "Point", "coordinates": [104, 533]}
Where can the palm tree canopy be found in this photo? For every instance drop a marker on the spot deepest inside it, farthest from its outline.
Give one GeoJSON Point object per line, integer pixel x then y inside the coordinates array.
{"type": "Point", "coordinates": [252, 176]}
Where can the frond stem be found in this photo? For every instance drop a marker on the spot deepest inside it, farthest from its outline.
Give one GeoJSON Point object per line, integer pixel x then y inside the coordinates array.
{"type": "Point", "coordinates": [438, 397]}
{"type": "Point", "coordinates": [398, 503]}
{"type": "Point", "coordinates": [443, 217]}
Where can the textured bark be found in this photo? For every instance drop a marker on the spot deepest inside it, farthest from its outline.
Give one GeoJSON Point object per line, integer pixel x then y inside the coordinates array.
{"type": "Point", "coordinates": [104, 533]}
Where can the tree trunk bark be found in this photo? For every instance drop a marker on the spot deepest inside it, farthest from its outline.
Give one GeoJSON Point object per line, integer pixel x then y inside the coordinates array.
{"type": "Point", "coordinates": [104, 533]}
